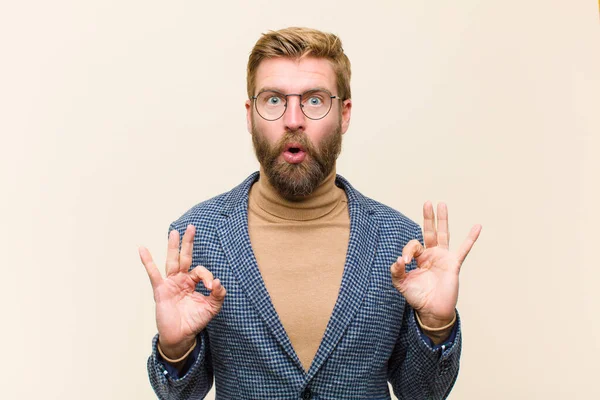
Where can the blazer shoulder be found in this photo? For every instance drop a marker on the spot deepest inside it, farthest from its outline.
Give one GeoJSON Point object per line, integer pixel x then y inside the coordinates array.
{"type": "Point", "coordinates": [385, 216]}
{"type": "Point", "coordinates": [209, 212]}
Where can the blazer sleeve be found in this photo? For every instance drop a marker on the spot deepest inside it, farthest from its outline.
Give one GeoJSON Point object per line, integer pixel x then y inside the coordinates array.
{"type": "Point", "coordinates": [197, 380]}
{"type": "Point", "coordinates": [194, 384]}
{"type": "Point", "coordinates": [418, 370]}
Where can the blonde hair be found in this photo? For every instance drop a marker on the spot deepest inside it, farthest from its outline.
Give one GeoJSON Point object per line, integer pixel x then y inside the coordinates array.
{"type": "Point", "coordinates": [297, 43]}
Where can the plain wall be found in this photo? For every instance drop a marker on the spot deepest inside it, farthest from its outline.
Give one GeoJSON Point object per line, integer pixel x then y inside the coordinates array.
{"type": "Point", "coordinates": [118, 116]}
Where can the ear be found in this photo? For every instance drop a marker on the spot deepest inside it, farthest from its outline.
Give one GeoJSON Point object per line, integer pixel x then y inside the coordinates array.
{"type": "Point", "coordinates": [249, 116]}
{"type": "Point", "coordinates": [346, 112]}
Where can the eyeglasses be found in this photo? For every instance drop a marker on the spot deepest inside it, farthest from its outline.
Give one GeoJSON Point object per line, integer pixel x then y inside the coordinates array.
{"type": "Point", "coordinates": [315, 103]}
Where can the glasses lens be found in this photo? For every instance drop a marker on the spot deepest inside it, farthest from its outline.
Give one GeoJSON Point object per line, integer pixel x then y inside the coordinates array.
{"type": "Point", "coordinates": [316, 103]}
{"type": "Point", "coordinates": [270, 105]}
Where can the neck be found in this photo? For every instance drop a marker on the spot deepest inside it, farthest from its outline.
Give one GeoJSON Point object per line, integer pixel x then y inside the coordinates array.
{"type": "Point", "coordinates": [320, 202]}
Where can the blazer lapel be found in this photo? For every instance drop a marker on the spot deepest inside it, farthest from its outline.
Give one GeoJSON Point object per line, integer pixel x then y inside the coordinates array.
{"type": "Point", "coordinates": [355, 278]}
{"type": "Point", "coordinates": [233, 233]}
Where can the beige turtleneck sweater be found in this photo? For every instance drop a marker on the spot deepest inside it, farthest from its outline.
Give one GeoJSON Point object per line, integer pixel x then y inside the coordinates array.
{"type": "Point", "coordinates": [300, 247]}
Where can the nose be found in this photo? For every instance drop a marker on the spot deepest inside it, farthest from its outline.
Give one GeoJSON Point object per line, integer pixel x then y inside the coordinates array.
{"type": "Point", "coordinates": [293, 118]}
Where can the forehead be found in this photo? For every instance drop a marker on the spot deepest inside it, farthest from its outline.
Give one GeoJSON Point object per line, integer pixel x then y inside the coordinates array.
{"type": "Point", "coordinates": [295, 75]}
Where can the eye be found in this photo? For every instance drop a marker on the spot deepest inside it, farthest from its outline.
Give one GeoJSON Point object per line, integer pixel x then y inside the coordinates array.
{"type": "Point", "coordinates": [273, 101]}
{"type": "Point", "coordinates": [315, 101]}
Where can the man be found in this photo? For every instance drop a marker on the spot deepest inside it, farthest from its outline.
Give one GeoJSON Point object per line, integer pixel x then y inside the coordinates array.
{"type": "Point", "coordinates": [293, 284]}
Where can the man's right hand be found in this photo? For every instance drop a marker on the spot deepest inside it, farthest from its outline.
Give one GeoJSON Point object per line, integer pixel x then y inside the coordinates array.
{"type": "Point", "coordinates": [181, 312]}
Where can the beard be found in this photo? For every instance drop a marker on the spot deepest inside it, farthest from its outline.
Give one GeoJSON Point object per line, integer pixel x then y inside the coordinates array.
{"type": "Point", "coordinates": [297, 180]}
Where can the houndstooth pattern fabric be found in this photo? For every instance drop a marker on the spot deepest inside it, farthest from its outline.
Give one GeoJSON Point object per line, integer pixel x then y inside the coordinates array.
{"type": "Point", "coordinates": [372, 335]}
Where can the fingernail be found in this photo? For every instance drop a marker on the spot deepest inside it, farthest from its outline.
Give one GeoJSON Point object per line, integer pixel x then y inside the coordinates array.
{"type": "Point", "coordinates": [406, 260]}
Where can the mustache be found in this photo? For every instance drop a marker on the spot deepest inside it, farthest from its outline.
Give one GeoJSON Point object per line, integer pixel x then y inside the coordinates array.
{"type": "Point", "coordinates": [295, 137]}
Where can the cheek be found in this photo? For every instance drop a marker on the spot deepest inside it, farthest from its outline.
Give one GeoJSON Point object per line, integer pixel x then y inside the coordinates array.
{"type": "Point", "coordinates": [319, 131]}
{"type": "Point", "coordinates": [269, 130]}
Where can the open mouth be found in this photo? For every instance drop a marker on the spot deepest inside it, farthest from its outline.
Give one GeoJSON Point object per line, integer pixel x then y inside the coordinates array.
{"type": "Point", "coordinates": [294, 148]}
{"type": "Point", "coordinates": [294, 153]}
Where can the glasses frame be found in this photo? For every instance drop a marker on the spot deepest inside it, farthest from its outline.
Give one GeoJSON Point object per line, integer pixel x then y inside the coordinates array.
{"type": "Point", "coordinates": [332, 97]}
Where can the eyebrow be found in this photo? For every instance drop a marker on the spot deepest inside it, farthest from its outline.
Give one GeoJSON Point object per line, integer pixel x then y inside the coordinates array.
{"type": "Point", "coordinates": [275, 89]}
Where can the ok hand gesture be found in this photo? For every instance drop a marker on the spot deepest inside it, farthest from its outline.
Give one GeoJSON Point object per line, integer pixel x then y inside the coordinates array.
{"type": "Point", "coordinates": [181, 312]}
{"type": "Point", "coordinates": [432, 288]}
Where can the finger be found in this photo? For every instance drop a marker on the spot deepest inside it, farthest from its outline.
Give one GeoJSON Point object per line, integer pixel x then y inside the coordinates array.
{"type": "Point", "coordinates": [151, 268]}
{"type": "Point", "coordinates": [172, 265]}
{"type": "Point", "coordinates": [443, 234]}
{"type": "Point", "coordinates": [218, 292]}
{"type": "Point", "coordinates": [187, 246]}
{"type": "Point", "coordinates": [413, 249]}
{"type": "Point", "coordinates": [429, 234]}
{"type": "Point", "coordinates": [467, 245]}
{"type": "Point", "coordinates": [202, 274]}
{"type": "Point", "coordinates": [398, 269]}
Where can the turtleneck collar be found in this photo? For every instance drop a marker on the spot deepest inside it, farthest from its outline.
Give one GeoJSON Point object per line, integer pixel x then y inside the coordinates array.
{"type": "Point", "coordinates": [325, 198]}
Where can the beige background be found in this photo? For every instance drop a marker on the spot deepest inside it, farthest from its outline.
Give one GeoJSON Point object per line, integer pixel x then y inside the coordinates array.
{"type": "Point", "coordinates": [117, 116]}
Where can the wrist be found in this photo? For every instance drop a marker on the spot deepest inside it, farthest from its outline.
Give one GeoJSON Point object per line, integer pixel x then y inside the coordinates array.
{"type": "Point", "coordinates": [177, 350]}
{"type": "Point", "coordinates": [432, 323]}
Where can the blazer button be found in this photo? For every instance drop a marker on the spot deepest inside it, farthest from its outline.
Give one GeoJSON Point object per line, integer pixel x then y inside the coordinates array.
{"type": "Point", "coordinates": [306, 394]}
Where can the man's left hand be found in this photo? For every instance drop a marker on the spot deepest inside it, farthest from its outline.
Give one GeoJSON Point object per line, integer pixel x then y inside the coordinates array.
{"type": "Point", "coordinates": [432, 288]}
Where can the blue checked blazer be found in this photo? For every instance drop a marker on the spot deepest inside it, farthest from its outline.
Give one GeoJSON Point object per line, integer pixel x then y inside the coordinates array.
{"type": "Point", "coordinates": [371, 338]}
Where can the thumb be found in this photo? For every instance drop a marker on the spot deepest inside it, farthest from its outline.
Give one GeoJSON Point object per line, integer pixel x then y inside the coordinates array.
{"type": "Point", "coordinates": [398, 270]}
{"type": "Point", "coordinates": [218, 292]}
